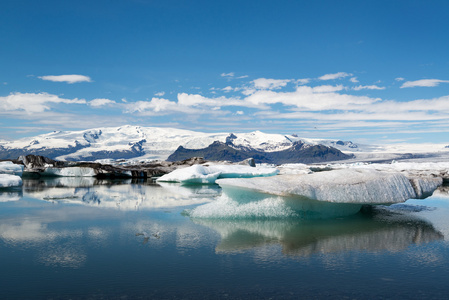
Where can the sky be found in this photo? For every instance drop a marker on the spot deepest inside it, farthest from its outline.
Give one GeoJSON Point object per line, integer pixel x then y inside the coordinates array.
{"type": "Point", "coordinates": [366, 71]}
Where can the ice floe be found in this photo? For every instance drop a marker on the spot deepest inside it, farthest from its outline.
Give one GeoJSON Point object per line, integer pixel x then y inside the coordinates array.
{"type": "Point", "coordinates": [200, 174]}
{"type": "Point", "coordinates": [69, 172]}
{"type": "Point", "coordinates": [8, 167]}
{"type": "Point", "coordinates": [7, 180]}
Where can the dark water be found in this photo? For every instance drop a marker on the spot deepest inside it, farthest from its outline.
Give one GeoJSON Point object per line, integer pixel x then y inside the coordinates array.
{"type": "Point", "coordinates": [83, 239]}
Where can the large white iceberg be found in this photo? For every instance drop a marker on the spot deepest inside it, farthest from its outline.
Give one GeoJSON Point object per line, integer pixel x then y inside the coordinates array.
{"type": "Point", "coordinates": [361, 186]}
{"type": "Point", "coordinates": [199, 174]}
{"type": "Point", "coordinates": [313, 196]}
{"type": "Point", "coordinates": [7, 180]}
{"type": "Point", "coordinates": [8, 167]}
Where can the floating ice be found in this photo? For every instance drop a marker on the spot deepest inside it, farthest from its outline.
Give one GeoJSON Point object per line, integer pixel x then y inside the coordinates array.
{"type": "Point", "coordinates": [8, 167]}
{"type": "Point", "coordinates": [7, 180]}
{"type": "Point", "coordinates": [199, 174]}
{"type": "Point", "coordinates": [362, 186]}
{"type": "Point", "coordinates": [69, 172]}
{"type": "Point", "coordinates": [248, 204]}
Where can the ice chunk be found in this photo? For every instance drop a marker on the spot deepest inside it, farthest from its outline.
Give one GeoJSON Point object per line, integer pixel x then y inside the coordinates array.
{"type": "Point", "coordinates": [361, 186]}
{"type": "Point", "coordinates": [198, 174]}
{"type": "Point", "coordinates": [425, 186]}
{"type": "Point", "coordinates": [8, 167]}
{"type": "Point", "coordinates": [69, 172]}
{"type": "Point", "coordinates": [241, 204]}
{"type": "Point", "coordinates": [7, 180]}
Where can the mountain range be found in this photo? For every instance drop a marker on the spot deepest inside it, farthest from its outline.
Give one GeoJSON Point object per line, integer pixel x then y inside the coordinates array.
{"type": "Point", "coordinates": [151, 143]}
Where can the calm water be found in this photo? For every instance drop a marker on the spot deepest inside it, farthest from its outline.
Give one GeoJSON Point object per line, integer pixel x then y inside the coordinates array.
{"type": "Point", "coordinates": [73, 238]}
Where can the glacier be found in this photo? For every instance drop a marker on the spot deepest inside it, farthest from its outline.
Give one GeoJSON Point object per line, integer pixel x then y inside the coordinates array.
{"type": "Point", "coordinates": [202, 174]}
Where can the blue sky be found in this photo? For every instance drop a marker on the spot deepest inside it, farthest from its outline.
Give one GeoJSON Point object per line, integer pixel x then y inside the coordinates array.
{"type": "Point", "coordinates": [367, 71]}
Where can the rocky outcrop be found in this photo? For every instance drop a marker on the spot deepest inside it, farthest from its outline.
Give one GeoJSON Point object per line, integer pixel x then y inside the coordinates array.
{"type": "Point", "coordinates": [298, 153]}
{"type": "Point", "coordinates": [42, 166]}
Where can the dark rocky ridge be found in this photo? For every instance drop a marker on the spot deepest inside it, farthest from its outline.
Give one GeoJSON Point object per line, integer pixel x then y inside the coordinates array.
{"type": "Point", "coordinates": [299, 152]}
{"type": "Point", "coordinates": [35, 164]}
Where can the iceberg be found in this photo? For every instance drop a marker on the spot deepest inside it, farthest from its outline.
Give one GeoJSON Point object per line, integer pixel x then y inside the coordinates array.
{"type": "Point", "coordinates": [69, 172]}
{"type": "Point", "coordinates": [7, 181]}
{"type": "Point", "coordinates": [200, 174]}
{"type": "Point", "coordinates": [361, 186]}
{"type": "Point", "coordinates": [319, 195]}
{"type": "Point", "coordinates": [8, 167]}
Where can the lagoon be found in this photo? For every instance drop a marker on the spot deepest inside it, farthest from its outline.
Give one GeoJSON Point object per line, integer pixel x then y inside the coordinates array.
{"type": "Point", "coordinates": [80, 238]}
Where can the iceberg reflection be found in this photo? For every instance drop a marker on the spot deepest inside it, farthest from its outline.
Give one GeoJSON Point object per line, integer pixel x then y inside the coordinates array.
{"type": "Point", "coordinates": [379, 232]}
{"type": "Point", "coordinates": [10, 194]}
{"type": "Point", "coordinates": [123, 195]}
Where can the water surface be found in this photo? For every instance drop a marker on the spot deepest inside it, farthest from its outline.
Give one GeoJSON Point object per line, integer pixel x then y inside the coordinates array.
{"type": "Point", "coordinates": [75, 238]}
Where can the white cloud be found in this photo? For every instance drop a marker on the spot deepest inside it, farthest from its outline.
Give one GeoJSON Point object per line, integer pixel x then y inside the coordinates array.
{"type": "Point", "coordinates": [66, 78]}
{"type": "Point", "coordinates": [270, 84]}
{"type": "Point", "coordinates": [400, 79]}
{"type": "Point", "coordinates": [33, 103]}
{"type": "Point", "coordinates": [311, 98]}
{"type": "Point", "coordinates": [160, 94]}
{"type": "Point", "coordinates": [154, 105]}
{"type": "Point", "coordinates": [303, 81]}
{"type": "Point", "coordinates": [231, 74]}
{"type": "Point", "coordinates": [368, 87]}
{"type": "Point", "coordinates": [334, 76]}
{"type": "Point", "coordinates": [100, 102]}
{"type": "Point", "coordinates": [423, 83]}
{"type": "Point", "coordinates": [239, 112]}
{"type": "Point", "coordinates": [227, 89]}
{"type": "Point", "coordinates": [241, 77]}
{"type": "Point", "coordinates": [353, 79]}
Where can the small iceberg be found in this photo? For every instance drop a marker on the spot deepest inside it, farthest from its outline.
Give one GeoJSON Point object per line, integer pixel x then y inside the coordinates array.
{"type": "Point", "coordinates": [8, 167]}
{"type": "Point", "coordinates": [7, 181]}
{"type": "Point", "coordinates": [199, 174]}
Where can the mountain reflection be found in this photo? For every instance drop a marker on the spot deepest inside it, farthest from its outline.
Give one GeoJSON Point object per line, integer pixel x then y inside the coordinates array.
{"type": "Point", "coordinates": [123, 195]}
{"type": "Point", "coordinates": [381, 231]}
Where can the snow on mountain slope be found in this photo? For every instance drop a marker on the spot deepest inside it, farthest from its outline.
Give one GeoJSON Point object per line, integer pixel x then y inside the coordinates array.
{"type": "Point", "coordinates": [136, 142]}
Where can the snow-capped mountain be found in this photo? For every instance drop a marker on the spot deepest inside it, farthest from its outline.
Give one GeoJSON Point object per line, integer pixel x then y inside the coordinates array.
{"type": "Point", "coordinates": [145, 143]}
{"type": "Point", "coordinates": [129, 142]}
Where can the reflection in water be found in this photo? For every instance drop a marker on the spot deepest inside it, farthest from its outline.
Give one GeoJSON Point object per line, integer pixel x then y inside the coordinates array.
{"type": "Point", "coordinates": [10, 194]}
{"type": "Point", "coordinates": [123, 195]}
{"type": "Point", "coordinates": [49, 251]}
{"type": "Point", "coordinates": [382, 231]}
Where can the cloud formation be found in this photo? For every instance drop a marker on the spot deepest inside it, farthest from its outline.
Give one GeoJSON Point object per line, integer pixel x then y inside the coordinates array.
{"type": "Point", "coordinates": [100, 102]}
{"type": "Point", "coordinates": [33, 103]}
{"type": "Point", "coordinates": [423, 83]}
{"type": "Point", "coordinates": [66, 78]}
{"type": "Point", "coordinates": [270, 84]}
{"type": "Point", "coordinates": [368, 87]}
{"type": "Point", "coordinates": [334, 76]}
